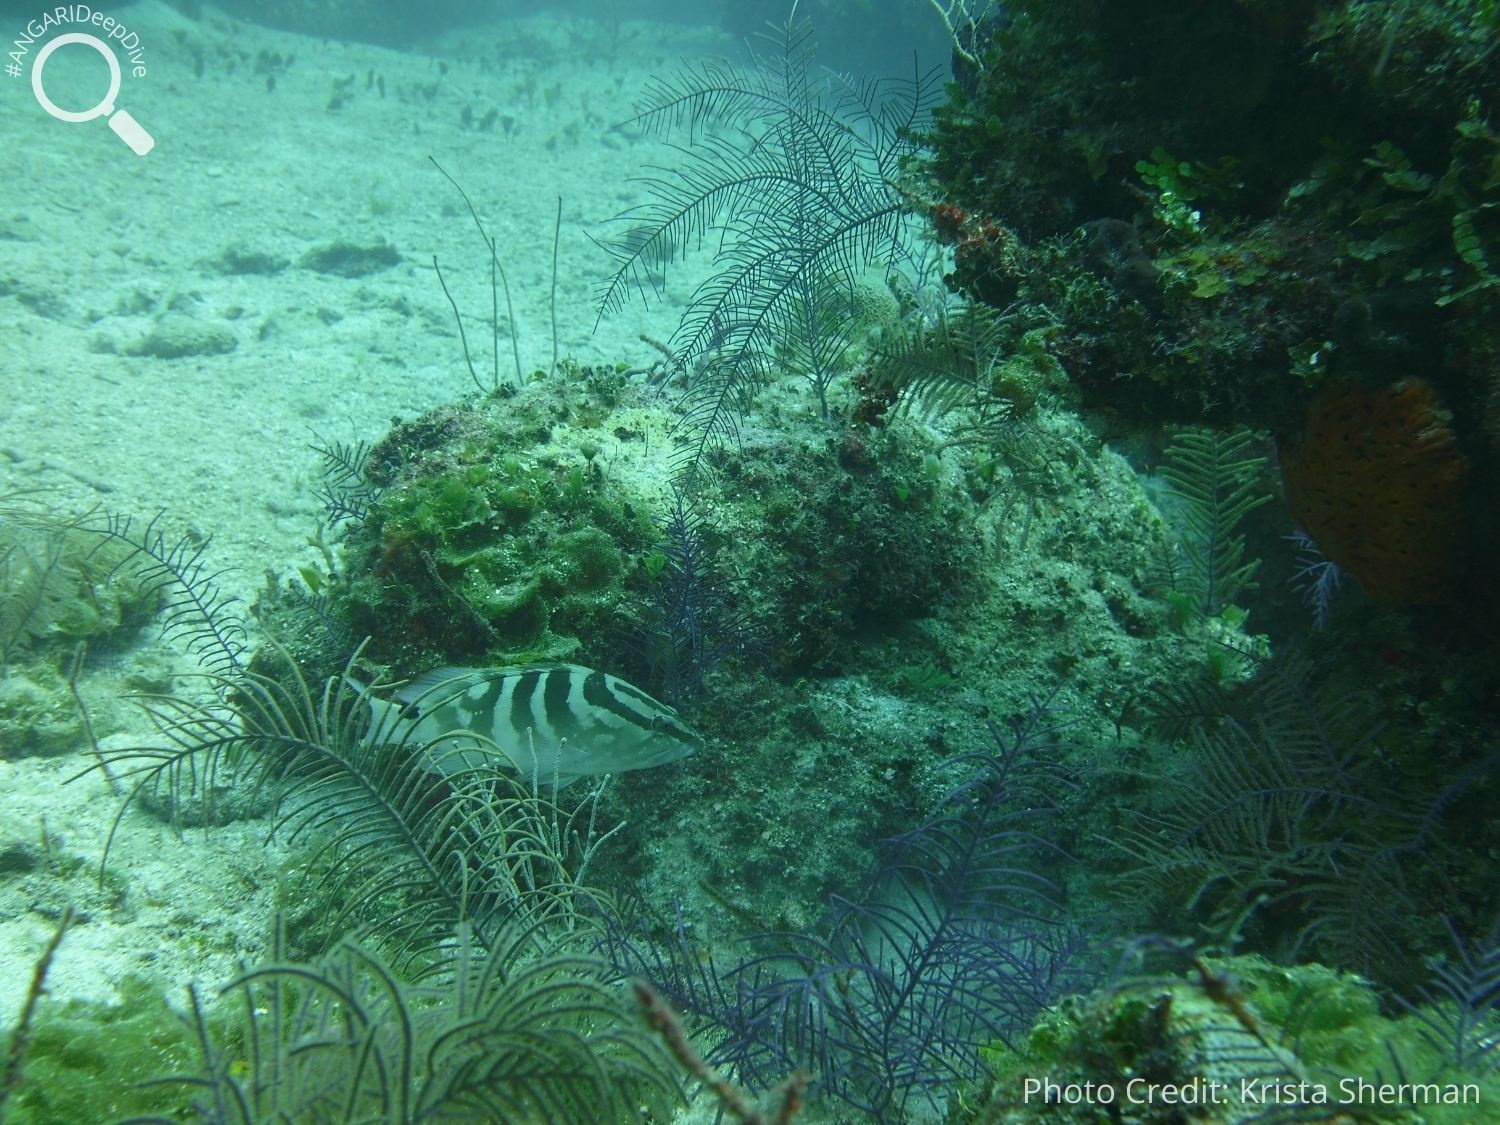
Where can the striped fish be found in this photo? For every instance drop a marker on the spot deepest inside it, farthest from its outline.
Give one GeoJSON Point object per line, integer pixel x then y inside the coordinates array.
{"type": "Point", "coordinates": [542, 720]}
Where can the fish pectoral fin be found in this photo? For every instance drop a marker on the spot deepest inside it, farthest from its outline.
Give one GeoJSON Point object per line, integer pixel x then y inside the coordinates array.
{"type": "Point", "coordinates": [429, 682]}
{"type": "Point", "coordinates": [386, 723]}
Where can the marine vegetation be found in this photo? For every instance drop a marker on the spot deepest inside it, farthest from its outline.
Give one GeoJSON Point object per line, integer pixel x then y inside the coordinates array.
{"type": "Point", "coordinates": [789, 176]}
{"type": "Point", "coordinates": [346, 493]}
{"type": "Point", "coordinates": [1459, 1011]}
{"type": "Point", "coordinates": [505, 1022]}
{"type": "Point", "coordinates": [883, 572]}
{"type": "Point", "coordinates": [959, 938]}
{"type": "Point", "coordinates": [1241, 218]}
{"type": "Point", "coordinates": [1318, 577]}
{"type": "Point", "coordinates": [1293, 240]}
{"type": "Point", "coordinates": [478, 540]}
{"type": "Point", "coordinates": [960, 362]}
{"type": "Point", "coordinates": [521, 1027]}
{"type": "Point", "coordinates": [689, 623]}
{"type": "Point", "coordinates": [62, 581]}
{"type": "Point", "coordinates": [397, 833]}
{"type": "Point", "coordinates": [668, 1024]}
{"type": "Point", "coordinates": [18, 1039]}
{"type": "Point", "coordinates": [535, 528]}
{"type": "Point", "coordinates": [1230, 1039]}
{"type": "Point", "coordinates": [95, 1061]}
{"type": "Point", "coordinates": [194, 612]}
{"type": "Point", "coordinates": [1215, 485]}
{"type": "Point", "coordinates": [1291, 825]}
{"type": "Point", "coordinates": [536, 1040]}
{"type": "Point", "coordinates": [67, 585]}
{"type": "Point", "coordinates": [1143, 230]}
{"type": "Point", "coordinates": [497, 270]}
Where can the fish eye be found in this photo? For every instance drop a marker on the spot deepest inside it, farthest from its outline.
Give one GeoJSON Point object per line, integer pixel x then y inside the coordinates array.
{"type": "Point", "coordinates": [410, 711]}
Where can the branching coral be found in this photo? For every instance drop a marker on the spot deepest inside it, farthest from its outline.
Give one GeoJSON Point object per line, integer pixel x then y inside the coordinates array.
{"type": "Point", "coordinates": [964, 369]}
{"type": "Point", "coordinates": [347, 492]}
{"type": "Point", "coordinates": [1215, 481]}
{"type": "Point", "coordinates": [1460, 1017]}
{"type": "Point", "coordinates": [18, 1038]}
{"type": "Point", "coordinates": [1285, 825]}
{"type": "Point", "coordinates": [195, 612]}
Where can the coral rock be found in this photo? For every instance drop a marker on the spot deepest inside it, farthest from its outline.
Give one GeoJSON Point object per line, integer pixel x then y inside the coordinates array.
{"type": "Point", "coordinates": [1378, 482]}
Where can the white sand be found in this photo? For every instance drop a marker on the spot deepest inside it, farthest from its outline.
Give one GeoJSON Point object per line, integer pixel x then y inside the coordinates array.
{"type": "Point", "coordinates": [96, 243]}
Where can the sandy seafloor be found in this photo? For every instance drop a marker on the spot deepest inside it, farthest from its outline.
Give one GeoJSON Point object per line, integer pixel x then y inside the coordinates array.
{"type": "Point", "coordinates": [100, 247]}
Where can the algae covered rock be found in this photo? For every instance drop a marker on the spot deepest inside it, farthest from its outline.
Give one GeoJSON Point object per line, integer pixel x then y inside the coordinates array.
{"type": "Point", "coordinates": [99, 1062]}
{"type": "Point", "coordinates": [346, 259]}
{"type": "Point", "coordinates": [37, 715]}
{"type": "Point", "coordinates": [532, 527]}
{"type": "Point", "coordinates": [843, 538]}
{"type": "Point", "coordinates": [176, 336]}
{"type": "Point", "coordinates": [492, 540]}
{"type": "Point", "coordinates": [63, 581]}
{"type": "Point", "coordinates": [1278, 216]}
{"type": "Point", "coordinates": [879, 592]}
{"type": "Point", "coordinates": [1231, 1040]}
{"type": "Point", "coordinates": [1214, 206]}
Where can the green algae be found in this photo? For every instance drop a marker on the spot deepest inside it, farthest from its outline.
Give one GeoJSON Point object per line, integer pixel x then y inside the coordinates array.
{"type": "Point", "coordinates": [92, 1062]}
{"type": "Point", "coordinates": [1325, 205]}
{"type": "Point", "coordinates": [1295, 1043]}
{"type": "Point", "coordinates": [63, 582]}
{"type": "Point", "coordinates": [37, 714]}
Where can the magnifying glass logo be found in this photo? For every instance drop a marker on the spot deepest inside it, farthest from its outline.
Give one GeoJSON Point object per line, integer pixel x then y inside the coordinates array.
{"type": "Point", "coordinates": [127, 128]}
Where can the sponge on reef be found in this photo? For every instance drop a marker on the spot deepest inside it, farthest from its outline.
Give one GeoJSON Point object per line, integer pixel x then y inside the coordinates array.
{"type": "Point", "coordinates": [1378, 482]}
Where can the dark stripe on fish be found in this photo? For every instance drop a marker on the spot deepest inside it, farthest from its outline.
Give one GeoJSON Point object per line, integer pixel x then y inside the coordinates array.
{"type": "Point", "coordinates": [596, 693]}
{"type": "Point", "coordinates": [555, 695]}
{"type": "Point", "coordinates": [636, 693]}
{"type": "Point", "coordinates": [672, 730]}
{"type": "Point", "coordinates": [521, 718]}
{"type": "Point", "coordinates": [486, 703]}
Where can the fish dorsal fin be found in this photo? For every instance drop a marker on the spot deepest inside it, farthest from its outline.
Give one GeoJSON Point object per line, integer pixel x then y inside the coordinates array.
{"type": "Point", "coordinates": [427, 681]}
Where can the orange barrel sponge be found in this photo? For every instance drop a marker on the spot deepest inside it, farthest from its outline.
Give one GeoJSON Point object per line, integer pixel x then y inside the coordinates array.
{"type": "Point", "coordinates": [1378, 482]}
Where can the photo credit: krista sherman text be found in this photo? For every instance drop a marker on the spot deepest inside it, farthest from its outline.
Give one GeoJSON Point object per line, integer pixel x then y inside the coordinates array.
{"type": "Point", "coordinates": [77, 17]}
{"type": "Point", "coordinates": [1248, 1092]}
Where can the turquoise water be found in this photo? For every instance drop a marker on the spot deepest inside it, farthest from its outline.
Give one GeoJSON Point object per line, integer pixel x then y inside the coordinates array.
{"type": "Point", "coordinates": [958, 578]}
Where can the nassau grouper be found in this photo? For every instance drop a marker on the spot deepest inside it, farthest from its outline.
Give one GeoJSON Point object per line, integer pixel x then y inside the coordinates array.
{"type": "Point", "coordinates": [542, 720]}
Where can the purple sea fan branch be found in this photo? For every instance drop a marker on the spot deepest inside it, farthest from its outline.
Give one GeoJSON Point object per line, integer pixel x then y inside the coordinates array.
{"type": "Point", "coordinates": [1318, 579]}
{"type": "Point", "coordinates": [957, 940]}
{"type": "Point", "coordinates": [691, 622]}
